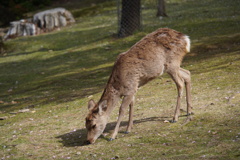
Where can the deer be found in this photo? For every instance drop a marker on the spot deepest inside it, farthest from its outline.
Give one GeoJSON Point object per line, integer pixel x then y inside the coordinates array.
{"type": "Point", "coordinates": [160, 51]}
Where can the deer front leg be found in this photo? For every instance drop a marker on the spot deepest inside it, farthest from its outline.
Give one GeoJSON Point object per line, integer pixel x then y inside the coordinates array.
{"type": "Point", "coordinates": [177, 110]}
{"type": "Point", "coordinates": [130, 122]}
{"type": "Point", "coordinates": [125, 103]}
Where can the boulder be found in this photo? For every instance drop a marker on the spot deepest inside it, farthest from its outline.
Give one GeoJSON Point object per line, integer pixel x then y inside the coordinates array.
{"type": "Point", "coordinates": [53, 18]}
{"type": "Point", "coordinates": [21, 28]}
{"type": "Point", "coordinates": [44, 21]}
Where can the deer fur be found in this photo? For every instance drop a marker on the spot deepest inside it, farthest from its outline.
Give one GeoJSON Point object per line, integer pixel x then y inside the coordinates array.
{"type": "Point", "coordinates": [158, 52]}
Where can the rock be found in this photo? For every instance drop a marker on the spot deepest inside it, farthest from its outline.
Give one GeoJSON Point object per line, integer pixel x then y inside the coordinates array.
{"type": "Point", "coordinates": [24, 27]}
{"type": "Point", "coordinates": [44, 21]}
{"type": "Point", "coordinates": [53, 18]}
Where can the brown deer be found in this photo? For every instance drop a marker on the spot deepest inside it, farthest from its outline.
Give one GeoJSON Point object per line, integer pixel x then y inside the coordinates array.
{"type": "Point", "coordinates": [158, 52]}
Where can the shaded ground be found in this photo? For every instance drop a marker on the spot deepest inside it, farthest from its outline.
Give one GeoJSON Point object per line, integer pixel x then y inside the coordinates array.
{"type": "Point", "coordinates": [54, 75]}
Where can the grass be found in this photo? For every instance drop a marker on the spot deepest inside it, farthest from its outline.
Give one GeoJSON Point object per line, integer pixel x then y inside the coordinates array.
{"type": "Point", "coordinates": [55, 74]}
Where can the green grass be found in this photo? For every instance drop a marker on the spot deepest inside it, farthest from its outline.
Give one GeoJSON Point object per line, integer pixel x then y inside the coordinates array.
{"type": "Point", "coordinates": [55, 74]}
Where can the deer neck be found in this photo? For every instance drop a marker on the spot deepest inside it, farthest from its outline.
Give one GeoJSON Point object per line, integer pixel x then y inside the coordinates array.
{"type": "Point", "coordinates": [112, 96]}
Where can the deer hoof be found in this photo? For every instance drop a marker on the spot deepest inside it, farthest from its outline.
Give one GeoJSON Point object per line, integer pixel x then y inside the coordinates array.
{"type": "Point", "coordinates": [173, 121]}
{"type": "Point", "coordinates": [191, 113]}
{"type": "Point", "coordinates": [110, 139]}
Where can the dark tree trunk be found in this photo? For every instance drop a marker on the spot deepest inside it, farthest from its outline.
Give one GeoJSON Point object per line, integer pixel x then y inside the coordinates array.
{"type": "Point", "coordinates": [161, 11]}
{"type": "Point", "coordinates": [1, 45]}
{"type": "Point", "coordinates": [130, 17]}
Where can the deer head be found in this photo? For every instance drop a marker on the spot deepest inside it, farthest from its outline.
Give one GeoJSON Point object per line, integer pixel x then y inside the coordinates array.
{"type": "Point", "coordinates": [96, 120]}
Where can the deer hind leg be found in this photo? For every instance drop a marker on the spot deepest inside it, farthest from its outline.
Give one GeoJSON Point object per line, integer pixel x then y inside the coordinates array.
{"type": "Point", "coordinates": [187, 79]}
{"type": "Point", "coordinates": [127, 100]}
{"type": "Point", "coordinates": [130, 122]}
{"type": "Point", "coordinates": [179, 81]}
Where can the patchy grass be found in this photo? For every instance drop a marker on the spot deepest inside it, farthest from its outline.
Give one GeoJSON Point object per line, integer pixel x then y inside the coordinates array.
{"type": "Point", "coordinates": [54, 75]}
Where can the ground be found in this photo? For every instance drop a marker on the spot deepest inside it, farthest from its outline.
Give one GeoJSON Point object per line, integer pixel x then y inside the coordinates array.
{"type": "Point", "coordinates": [47, 80]}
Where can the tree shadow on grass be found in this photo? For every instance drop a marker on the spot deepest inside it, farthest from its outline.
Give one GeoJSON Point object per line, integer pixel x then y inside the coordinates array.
{"type": "Point", "coordinates": [78, 137]}
{"type": "Point", "coordinates": [62, 77]}
{"type": "Point", "coordinates": [60, 89]}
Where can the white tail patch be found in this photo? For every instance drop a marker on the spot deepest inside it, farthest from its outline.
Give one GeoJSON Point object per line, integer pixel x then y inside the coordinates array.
{"type": "Point", "coordinates": [188, 43]}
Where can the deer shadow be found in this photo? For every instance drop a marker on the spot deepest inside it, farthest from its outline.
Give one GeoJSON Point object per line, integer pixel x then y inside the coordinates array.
{"type": "Point", "coordinates": [78, 137]}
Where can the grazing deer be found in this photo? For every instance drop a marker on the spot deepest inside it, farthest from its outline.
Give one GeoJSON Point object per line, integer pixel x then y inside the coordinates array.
{"type": "Point", "coordinates": [158, 52]}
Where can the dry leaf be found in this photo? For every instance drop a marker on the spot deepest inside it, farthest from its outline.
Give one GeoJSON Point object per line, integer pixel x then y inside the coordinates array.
{"type": "Point", "coordinates": [24, 110]}
{"type": "Point", "coordinates": [214, 132]}
{"type": "Point", "coordinates": [14, 102]}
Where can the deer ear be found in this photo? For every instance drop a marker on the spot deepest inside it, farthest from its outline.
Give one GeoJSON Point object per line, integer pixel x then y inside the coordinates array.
{"type": "Point", "coordinates": [102, 106]}
{"type": "Point", "coordinates": [91, 104]}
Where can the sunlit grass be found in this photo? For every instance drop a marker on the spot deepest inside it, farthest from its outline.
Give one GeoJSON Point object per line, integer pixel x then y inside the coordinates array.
{"type": "Point", "coordinates": [55, 74]}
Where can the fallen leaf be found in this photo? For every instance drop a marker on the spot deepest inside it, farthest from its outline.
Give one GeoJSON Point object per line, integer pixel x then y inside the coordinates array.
{"type": "Point", "coordinates": [78, 153]}
{"type": "Point", "coordinates": [90, 96]}
{"type": "Point", "coordinates": [166, 121]}
{"type": "Point", "coordinates": [214, 132]}
{"type": "Point", "coordinates": [14, 102]}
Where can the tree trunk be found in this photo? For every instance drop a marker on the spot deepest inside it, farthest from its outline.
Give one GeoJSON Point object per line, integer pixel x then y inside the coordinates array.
{"type": "Point", "coordinates": [130, 17]}
{"type": "Point", "coordinates": [1, 45]}
{"type": "Point", "coordinates": [161, 12]}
